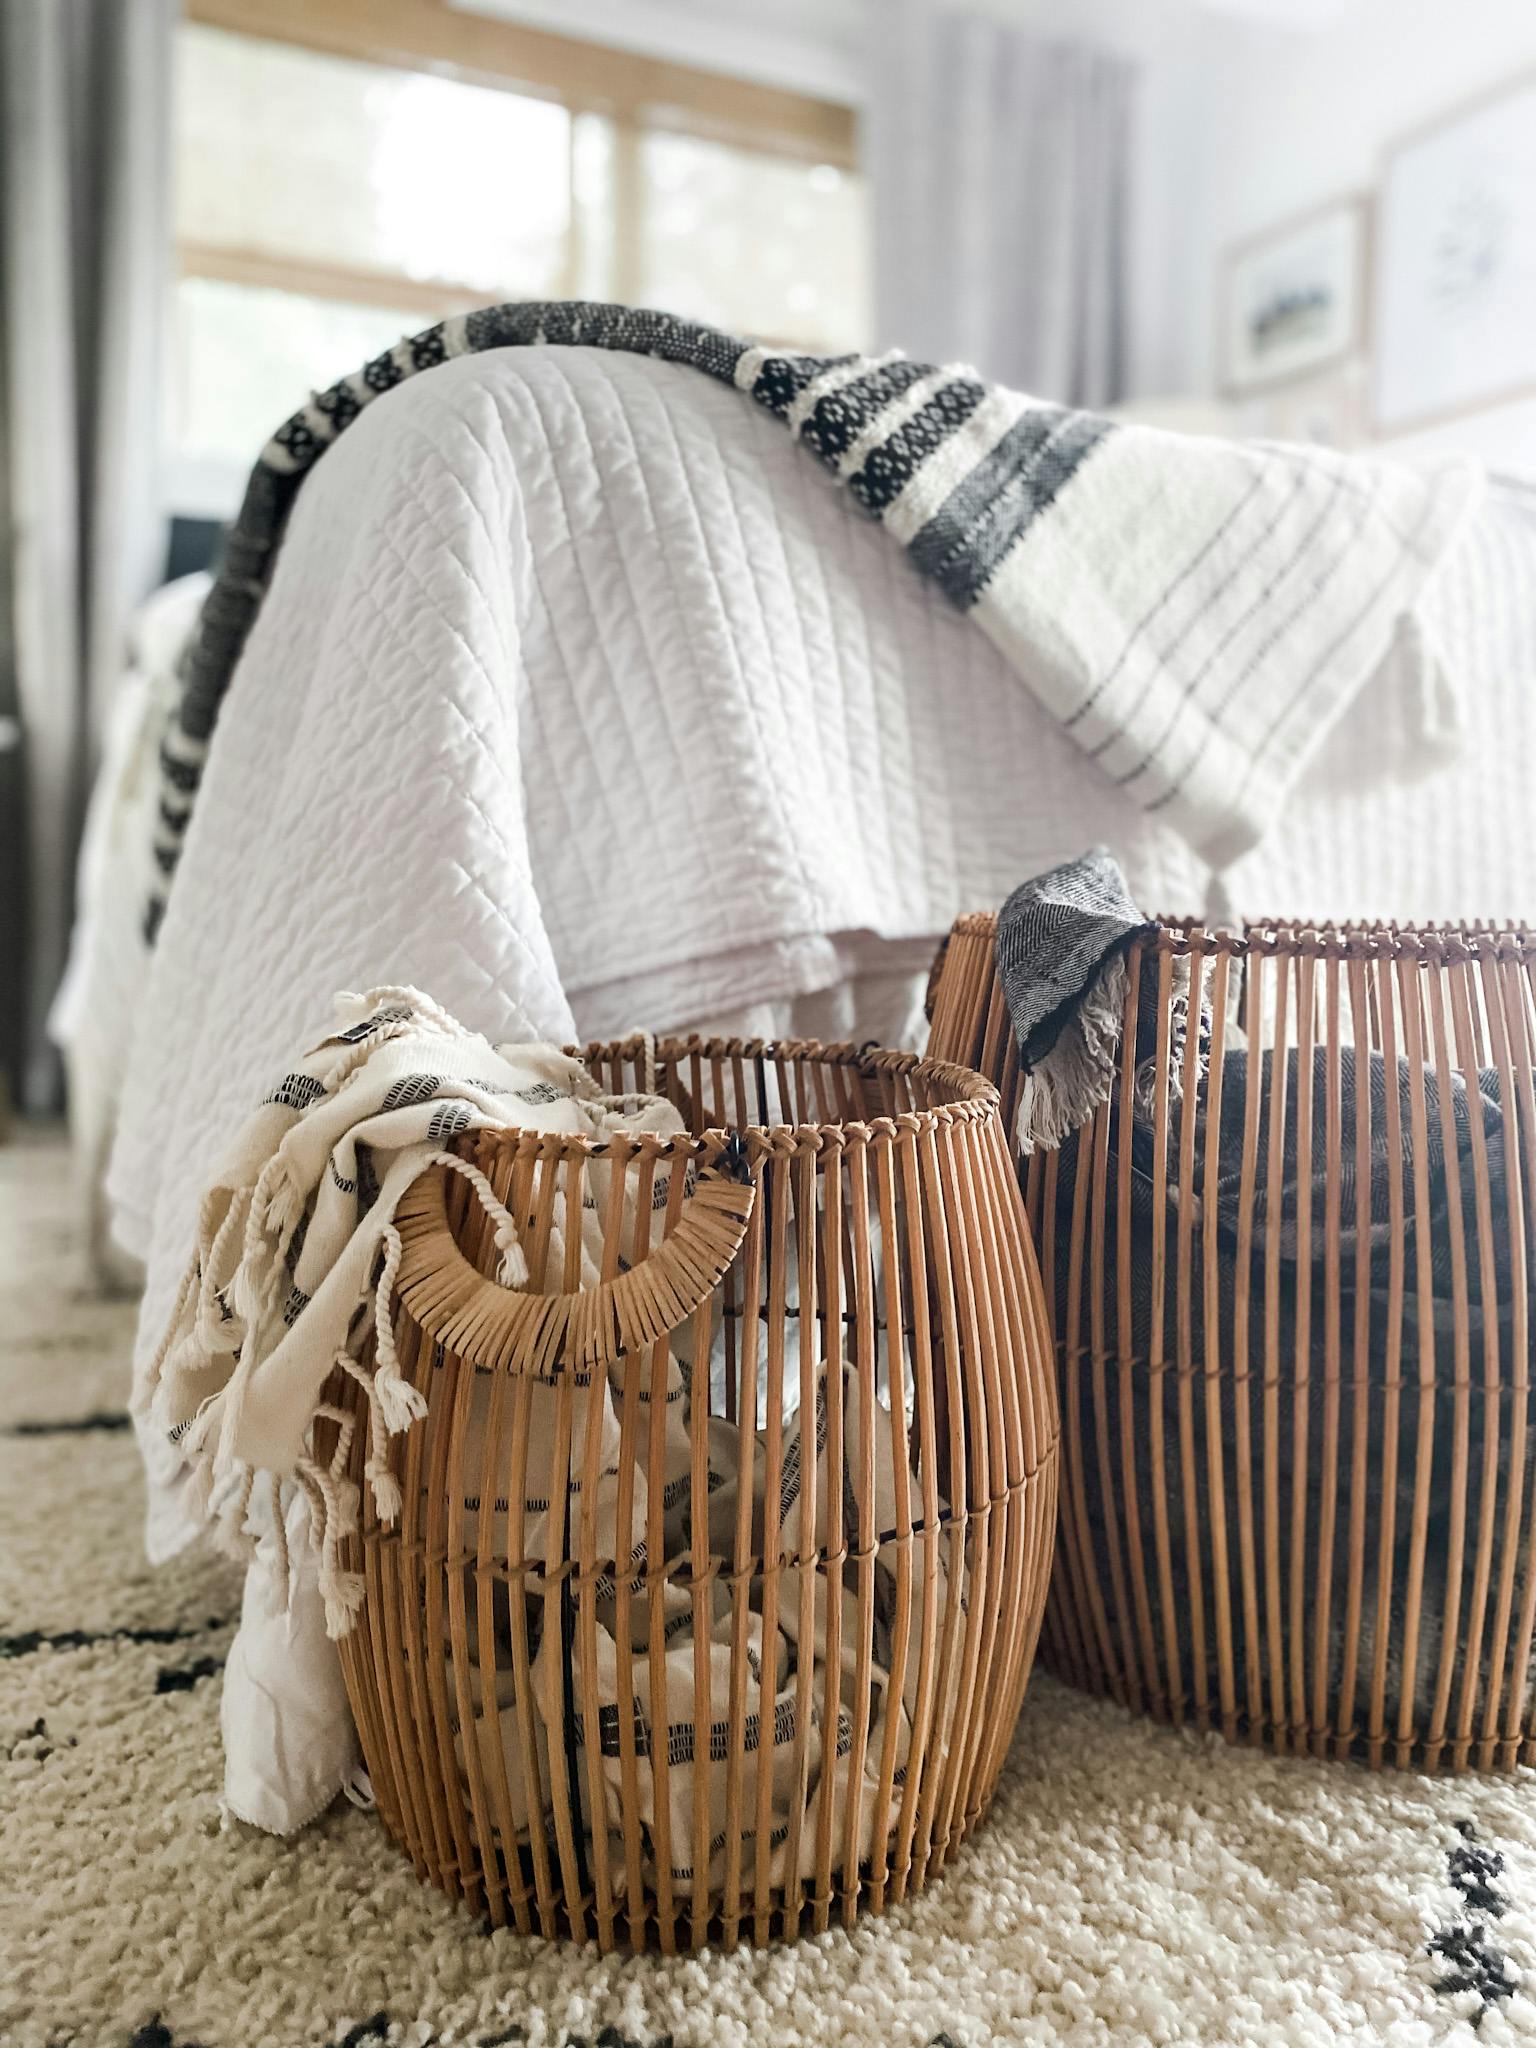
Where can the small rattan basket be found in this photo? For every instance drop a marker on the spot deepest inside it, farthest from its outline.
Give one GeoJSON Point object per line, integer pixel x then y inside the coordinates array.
{"type": "Point", "coordinates": [1297, 1491]}
{"type": "Point", "coordinates": [607, 1503]}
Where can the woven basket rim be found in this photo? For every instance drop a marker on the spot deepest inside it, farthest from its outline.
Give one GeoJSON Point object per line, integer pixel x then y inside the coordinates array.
{"type": "Point", "coordinates": [1324, 939]}
{"type": "Point", "coordinates": [972, 1099]}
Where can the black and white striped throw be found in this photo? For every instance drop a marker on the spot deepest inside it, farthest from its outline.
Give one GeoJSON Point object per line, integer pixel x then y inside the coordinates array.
{"type": "Point", "coordinates": [1195, 612]}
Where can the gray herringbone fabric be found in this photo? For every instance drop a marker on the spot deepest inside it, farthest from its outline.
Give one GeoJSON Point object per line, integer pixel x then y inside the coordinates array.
{"type": "Point", "coordinates": [1061, 942]}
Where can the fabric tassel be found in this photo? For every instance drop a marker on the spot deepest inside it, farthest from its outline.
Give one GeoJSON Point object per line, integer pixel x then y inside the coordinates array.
{"type": "Point", "coordinates": [332, 1517]}
{"type": "Point", "coordinates": [1220, 911]}
{"type": "Point", "coordinates": [385, 1488]}
{"type": "Point", "coordinates": [397, 1400]}
{"type": "Point", "coordinates": [172, 1341]}
{"type": "Point", "coordinates": [199, 1488]}
{"type": "Point", "coordinates": [279, 1200]}
{"type": "Point", "coordinates": [513, 1268]}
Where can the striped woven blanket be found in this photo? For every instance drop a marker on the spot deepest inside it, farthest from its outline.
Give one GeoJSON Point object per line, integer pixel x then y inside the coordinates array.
{"type": "Point", "coordinates": [1197, 613]}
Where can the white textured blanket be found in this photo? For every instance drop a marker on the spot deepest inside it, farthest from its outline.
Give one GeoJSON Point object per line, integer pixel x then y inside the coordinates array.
{"type": "Point", "coordinates": [1196, 612]}
{"type": "Point", "coordinates": [583, 698]}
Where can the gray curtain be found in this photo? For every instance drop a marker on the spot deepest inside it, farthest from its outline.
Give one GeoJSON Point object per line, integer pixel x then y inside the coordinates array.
{"type": "Point", "coordinates": [1001, 172]}
{"type": "Point", "coordinates": [84, 240]}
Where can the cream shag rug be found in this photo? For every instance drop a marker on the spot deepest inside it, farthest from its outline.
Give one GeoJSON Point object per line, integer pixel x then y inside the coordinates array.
{"type": "Point", "coordinates": [1130, 1885]}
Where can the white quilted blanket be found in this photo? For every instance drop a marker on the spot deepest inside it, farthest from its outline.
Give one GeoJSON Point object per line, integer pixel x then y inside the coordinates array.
{"type": "Point", "coordinates": [582, 699]}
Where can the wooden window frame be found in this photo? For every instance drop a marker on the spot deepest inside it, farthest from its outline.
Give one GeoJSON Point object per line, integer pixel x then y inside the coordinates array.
{"type": "Point", "coordinates": [635, 93]}
{"type": "Point", "coordinates": [480, 49]}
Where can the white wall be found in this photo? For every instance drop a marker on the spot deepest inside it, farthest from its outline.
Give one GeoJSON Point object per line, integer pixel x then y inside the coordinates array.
{"type": "Point", "coordinates": [1287, 120]}
{"type": "Point", "coordinates": [810, 46]}
{"type": "Point", "coordinates": [821, 46]}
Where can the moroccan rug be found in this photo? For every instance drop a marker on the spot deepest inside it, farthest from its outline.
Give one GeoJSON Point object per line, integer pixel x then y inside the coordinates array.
{"type": "Point", "coordinates": [1131, 1885]}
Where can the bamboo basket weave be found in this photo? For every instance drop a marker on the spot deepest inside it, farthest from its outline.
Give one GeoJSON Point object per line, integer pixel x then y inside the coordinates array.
{"type": "Point", "coordinates": [840, 1227]}
{"type": "Point", "coordinates": [1297, 1488]}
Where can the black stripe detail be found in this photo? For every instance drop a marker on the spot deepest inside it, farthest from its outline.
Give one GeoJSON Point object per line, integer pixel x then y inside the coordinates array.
{"type": "Point", "coordinates": [1334, 562]}
{"type": "Point", "coordinates": [295, 1091]}
{"type": "Point", "coordinates": [781, 379]}
{"type": "Point", "coordinates": [889, 468]}
{"type": "Point", "coordinates": [1475, 1961]}
{"type": "Point", "coordinates": [681, 1735]}
{"type": "Point", "coordinates": [30, 1641]}
{"type": "Point", "coordinates": [73, 1425]}
{"type": "Point", "coordinates": [180, 774]}
{"type": "Point", "coordinates": [1018, 477]}
{"type": "Point", "coordinates": [182, 1678]}
{"type": "Point", "coordinates": [837, 420]}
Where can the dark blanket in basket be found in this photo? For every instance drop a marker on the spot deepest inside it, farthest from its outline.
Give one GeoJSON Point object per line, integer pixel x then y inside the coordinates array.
{"type": "Point", "coordinates": [1061, 941]}
{"type": "Point", "coordinates": [1336, 1342]}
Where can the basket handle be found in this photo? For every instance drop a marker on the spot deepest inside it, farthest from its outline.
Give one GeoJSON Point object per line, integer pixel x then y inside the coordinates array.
{"type": "Point", "coordinates": [457, 1305]}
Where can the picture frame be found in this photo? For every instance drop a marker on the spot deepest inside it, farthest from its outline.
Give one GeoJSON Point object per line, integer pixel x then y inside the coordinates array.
{"type": "Point", "coordinates": [1455, 289]}
{"type": "Point", "coordinates": [1292, 299]}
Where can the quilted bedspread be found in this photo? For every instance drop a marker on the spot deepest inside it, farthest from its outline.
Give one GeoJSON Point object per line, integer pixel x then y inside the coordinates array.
{"type": "Point", "coordinates": [583, 700]}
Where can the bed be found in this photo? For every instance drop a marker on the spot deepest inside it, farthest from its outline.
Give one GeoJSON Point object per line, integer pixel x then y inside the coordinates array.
{"type": "Point", "coordinates": [561, 629]}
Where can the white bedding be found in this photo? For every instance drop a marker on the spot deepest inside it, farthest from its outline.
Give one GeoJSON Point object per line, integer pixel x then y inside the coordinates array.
{"type": "Point", "coordinates": [583, 700]}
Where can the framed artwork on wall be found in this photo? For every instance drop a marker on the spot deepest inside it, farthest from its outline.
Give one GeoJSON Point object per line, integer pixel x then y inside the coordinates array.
{"type": "Point", "coordinates": [1293, 298]}
{"type": "Point", "coordinates": [1456, 268]}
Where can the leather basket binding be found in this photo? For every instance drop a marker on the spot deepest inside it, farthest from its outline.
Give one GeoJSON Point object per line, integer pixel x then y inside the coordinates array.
{"type": "Point", "coordinates": [722, 1550]}
{"type": "Point", "coordinates": [1289, 1273]}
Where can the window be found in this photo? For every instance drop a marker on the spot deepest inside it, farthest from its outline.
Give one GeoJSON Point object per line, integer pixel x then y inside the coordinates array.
{"type": "Point", "coordinates": [332, 198]}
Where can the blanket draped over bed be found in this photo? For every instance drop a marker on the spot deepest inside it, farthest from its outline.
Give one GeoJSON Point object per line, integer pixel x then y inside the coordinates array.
{"type": "Point", "coordinates": [1196, 613]}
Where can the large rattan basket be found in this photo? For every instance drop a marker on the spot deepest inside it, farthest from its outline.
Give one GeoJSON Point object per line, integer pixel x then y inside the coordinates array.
{"type": "Point", "coordinates": [1297, 1490]}
{"type": "Point", "coordinates": [840, 1237]}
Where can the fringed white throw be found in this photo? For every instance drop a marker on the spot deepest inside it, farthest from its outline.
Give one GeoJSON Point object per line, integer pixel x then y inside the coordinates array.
{"type": "Point", "coordinates": [297, 1254]}
{"type": "Point", "coordinates": [293, 1271]}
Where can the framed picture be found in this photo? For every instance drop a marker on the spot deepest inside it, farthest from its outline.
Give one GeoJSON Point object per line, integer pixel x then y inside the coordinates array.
{"type": "Point", "coordinates": [1456, 270]}
{"type": "Point", "coordinates": [1293, 298]}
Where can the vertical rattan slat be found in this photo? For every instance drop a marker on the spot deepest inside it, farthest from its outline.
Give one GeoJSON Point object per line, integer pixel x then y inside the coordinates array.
{"type": "Point", "coordinates": [1288, 1273]}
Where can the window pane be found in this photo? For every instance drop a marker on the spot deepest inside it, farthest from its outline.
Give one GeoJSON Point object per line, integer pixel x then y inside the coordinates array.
{"type": "Point", "coordinates": [328, 160]}
{"type": "Point", "coordinates": [760, 245]}
{"type": "Point", "coordinates": [247, 357]}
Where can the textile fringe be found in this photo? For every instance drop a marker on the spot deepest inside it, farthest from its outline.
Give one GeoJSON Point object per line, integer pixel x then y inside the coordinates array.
{"type": "Point", "coordinates": [220, 1490]}
{"type": "Point", "coordinates": [1062, 1090]}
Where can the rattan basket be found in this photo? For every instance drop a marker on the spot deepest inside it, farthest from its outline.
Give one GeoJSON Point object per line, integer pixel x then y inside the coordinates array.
{"type": "Point", "coordinates": [1297, 1486]}
{"type": "Point", "coordinates": [841, 1237]}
